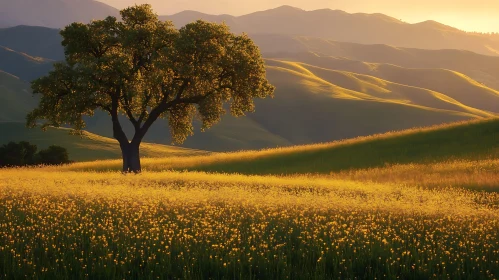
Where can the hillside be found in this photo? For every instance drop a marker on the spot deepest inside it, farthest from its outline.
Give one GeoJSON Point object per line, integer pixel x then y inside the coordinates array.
{"type": "Point", "coordinates": [15, 98]}
{"type": "Point", "coordinates": [434, 88]}
{"type": "Point", "coordinates": [34, 41]}
{"type": "Point", "coordinates": [466, 142]}
{"type": "Point", "coordinates": [88, 147]}
{"type": "Point", "coordinates": [475, 140]}
{"type": "Point", "coordinates": [22, 65]}
{"type": "Point", "coordinates": [52, 13]}
{"type": "Point", "coordinates": [46, 43]}
{"type": "Point", "coordinates": [321, 52]}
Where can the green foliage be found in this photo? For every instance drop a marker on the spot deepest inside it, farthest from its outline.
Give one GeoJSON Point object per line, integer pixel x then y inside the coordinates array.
{"type": "Point", "coordinates": [24, 154]}
{"type": "Point", "coordinates": [17, 154]}
{"type": "Point", "coordinates": [146, 69]}
{"type": "Point", "coordinates": [53, 155]}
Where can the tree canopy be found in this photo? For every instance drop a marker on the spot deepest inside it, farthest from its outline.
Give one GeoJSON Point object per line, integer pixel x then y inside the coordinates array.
{"type": "Point", "coordinates": [146, 69]}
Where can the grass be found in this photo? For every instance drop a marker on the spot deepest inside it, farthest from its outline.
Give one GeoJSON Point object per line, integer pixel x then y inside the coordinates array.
{"type": "Point", "coordinates": [474, 140]}
{"type": "Point", "coordinates": [470, 140]}
{"type": "Point", "coordinates": [88, 147]}
{"type": "Point", "coordinates": [480, 175]}
{"type": "Point", "coordinates": [170, 225]}
{"type": "Point", "coordinates": [428, 89]}
{"type": "Point", "coordinates": [423, 216]}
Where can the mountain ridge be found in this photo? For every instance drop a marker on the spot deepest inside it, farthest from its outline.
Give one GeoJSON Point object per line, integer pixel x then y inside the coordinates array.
{"type": "Point", "coordinates": [331, 24]}
{"type": "Point", "coordinates": [360, 28]}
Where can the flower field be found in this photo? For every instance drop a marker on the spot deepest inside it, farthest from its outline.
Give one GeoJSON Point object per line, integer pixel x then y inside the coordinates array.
{"type": "Point", "coordinates": [188, 225]}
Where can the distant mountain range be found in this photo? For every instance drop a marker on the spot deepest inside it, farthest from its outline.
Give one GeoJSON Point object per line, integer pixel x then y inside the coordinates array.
{"type": "Point", "coordinates": [356, 28]}
{"type": "Point", "coordinates": [287, 21]}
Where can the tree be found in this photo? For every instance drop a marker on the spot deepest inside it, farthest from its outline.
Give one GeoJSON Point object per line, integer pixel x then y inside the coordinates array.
{"type": "Point", "coordinates": [146, 69]}
{"type": "Point", "coordinates": [53, 155]}
{"type": "Point", "coordinates": [17, 154]}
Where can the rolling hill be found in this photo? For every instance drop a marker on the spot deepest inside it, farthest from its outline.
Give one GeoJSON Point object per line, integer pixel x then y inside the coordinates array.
{"type": "Point", "coordinates": [467, 148]}
{"type": "Point", "coordinates": [52, 13]}
{"type": "Point", "coordinates": [324, 91]}
{"type": "Point", "coordinates": [88, 147]}
{"type": "Point", "coordinates": [45, 43]}
{"type": "Point", "coordinates": [34, 41]}
{"type": "Point", "coordinates": [319, 52]}
{"type": "Point", "coordinates": [443, 85]}
{"type": "Point", "coordinates": [22, 65]}
{"type": "Point", "coordinates": [476, 140]}
{"type": "Point", "coordinates": [314, 104]}
{"type": "Point", "coordinates": [311, 109]}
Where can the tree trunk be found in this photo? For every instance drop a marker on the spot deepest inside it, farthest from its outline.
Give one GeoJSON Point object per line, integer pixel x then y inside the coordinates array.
{"type": "Point", "coordinates": [131, 158]}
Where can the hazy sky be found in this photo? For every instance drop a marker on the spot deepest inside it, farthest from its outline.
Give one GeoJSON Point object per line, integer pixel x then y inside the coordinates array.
{"type": "Point", "coordinates": [470, 15]}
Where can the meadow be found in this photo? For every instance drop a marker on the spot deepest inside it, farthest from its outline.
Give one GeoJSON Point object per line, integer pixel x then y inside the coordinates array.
{"type": "Point", "coordinates": [436, 218]}
{"type": "Point", "coordinates": [171, 225]}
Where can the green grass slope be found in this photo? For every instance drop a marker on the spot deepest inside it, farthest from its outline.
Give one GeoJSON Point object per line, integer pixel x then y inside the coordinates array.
{"type": "Point", "coordinates": [470, 140]}
{"type": "Point", "coordinates": [87, 147]}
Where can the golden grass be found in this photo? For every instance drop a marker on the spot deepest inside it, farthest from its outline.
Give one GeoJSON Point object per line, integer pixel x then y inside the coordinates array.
{"type": "Point", "coordinates": [402, 221]}
{"type": "Point", "coordinates": [469, 174]}
{"type": "Point", "coordinates": [194, 161]}
{"type": "Point", "coordinates": [326, 192]}
{"type": "Point", "coordinates": [56, 225]}
{"type": "Point", "coordinates": [353, 86]}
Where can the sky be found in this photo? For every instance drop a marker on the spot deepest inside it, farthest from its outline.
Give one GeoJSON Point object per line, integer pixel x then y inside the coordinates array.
{"type": "Point", "coordinates": [469, 15]}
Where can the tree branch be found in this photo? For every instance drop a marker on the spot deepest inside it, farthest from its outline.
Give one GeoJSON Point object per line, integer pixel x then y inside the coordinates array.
{"type": "Point", "coordinates": [104, 107]}
{"type": "Point", "coordinates": [160, 109]}
{"type": "Point", "coordinates": [118, 132]}
{"type": "Point", "coordinates": [128, 111]}
{"type": "Point", "coordinates": [144, 108]}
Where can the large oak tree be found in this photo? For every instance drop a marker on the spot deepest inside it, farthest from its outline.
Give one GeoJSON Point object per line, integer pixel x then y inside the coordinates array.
{"type": "Point", "coordinates": [146, 69]}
